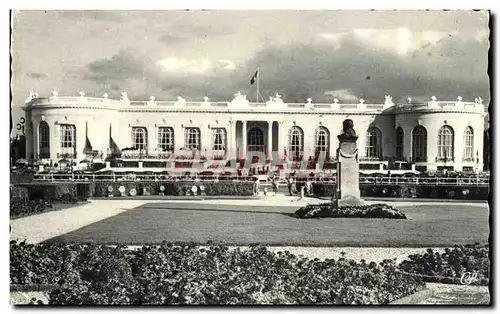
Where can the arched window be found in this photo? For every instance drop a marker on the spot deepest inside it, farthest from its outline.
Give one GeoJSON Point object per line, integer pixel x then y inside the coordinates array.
{"type": "Point", "coordinates": [44, 140]}
{"type": "Point", "coordinates": [139, 138]}
{"type": "Point", "coordinates": [446, 138]}
{"type": "Point", "coordinates": [468, 144]}
{"type": "Point", "coordinates": [322, 142]}
{"type": "Point", "coordinates": [296, 143]}
{"type": "Point", "coordinates": [68, 140]}
{"type": "Point", "coordinates": [373, 143]}
{"type": "Point", "coordinates": [255, 140]}
{"type": "Point", "coordinates": [399, 142]}
{"type": "Point", "coordinates": [219, 139]}
{"type": "Point", "coordinates": [192, 138]}
{"type": "Point", "coordinates": [166, 139]}
{"type": "Point", "coordinates": [419, 144]}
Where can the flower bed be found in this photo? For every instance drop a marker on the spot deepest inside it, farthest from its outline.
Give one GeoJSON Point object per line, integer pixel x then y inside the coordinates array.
{"type": "Point", "coordinates": [469, 264]}
{"type": "Point", "coordinates": [325, 210]}
{"type": "Point", "coordinates": [171, 274]}
{"type": "Point", "coordinates": [410, 191]}
{"type": "Point", "coordinates": [21, 208]}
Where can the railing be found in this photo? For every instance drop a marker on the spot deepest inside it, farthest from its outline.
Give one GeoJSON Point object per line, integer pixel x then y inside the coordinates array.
{"type": "Point", "coordinates": [182, 176]}
{"type": "Point", "coordinates": [445, 159]}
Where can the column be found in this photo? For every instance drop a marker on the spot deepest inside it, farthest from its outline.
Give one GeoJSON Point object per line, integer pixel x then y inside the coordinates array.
{"type": "Point", "coordinates": [232, 139]}
{"type": "Point", "coordinates": [244, 137]}
{"type": "Point", "coordinates": [269, 139]}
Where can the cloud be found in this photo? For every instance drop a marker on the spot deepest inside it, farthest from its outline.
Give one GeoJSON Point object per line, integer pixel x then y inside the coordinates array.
{"type": "Point", "coordinates": [35, 75]}
{"type": "Point", "coordinates": [183, 65]}
{"type": "Point", "coordinates": [171, 39]}
{"type": "Point", "coordinates": [343, 95]}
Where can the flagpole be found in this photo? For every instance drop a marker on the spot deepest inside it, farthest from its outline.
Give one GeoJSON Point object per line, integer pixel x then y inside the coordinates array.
{"type": "Point", "coordinates": [258, 78]}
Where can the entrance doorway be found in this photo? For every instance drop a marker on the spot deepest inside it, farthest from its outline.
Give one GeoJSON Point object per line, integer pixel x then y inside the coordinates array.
{"type": "Point", "coordinates": [255, 138]}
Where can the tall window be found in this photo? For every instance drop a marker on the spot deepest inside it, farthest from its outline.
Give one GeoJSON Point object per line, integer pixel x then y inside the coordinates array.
{"type": "Point", "coordinates": [373, 143]}
{"type": "Point", "coordinates": [192, 138]}
{"type": "Point", "coordinates": [296, 143]}
{"type": "Point", "coordinates": [139, 138]}
{"type": "Point", "coordinates": [322, 141]}
{"type": "Point", "coordinates": [445, 143]}
{"type": "Point", "coordinates": [255, 140]}
{"type": "Point", "coordinates": [165, 139]}
{"type": "Point", "coordinates": [219, 139]}
{"type": "Point", "coordinates": [44, 140]}
{"type": "Point", "coordinates": [419, 144]}
{"type": "Point", "coordinates": [399, 142]}
{"type": "Point", "coordinates": [68, 140]}
{"type": "Point", "coordinates": [469, 144]}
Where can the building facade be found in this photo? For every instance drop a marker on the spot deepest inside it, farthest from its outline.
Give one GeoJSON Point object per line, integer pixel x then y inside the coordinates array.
{"type": "Point", "coordinates": [432, 135]}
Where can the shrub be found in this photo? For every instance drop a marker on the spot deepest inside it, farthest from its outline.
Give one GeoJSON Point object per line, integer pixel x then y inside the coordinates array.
{"type": "Point", "coordinates": [363, 211]}
{"type": "Point", "coordinates": [20, 208]}
{"type": "Point", "coordinates": [19, 193]}
{"type": "Point", "coordinates": [184, 274]}
{"type": "Point", "coordinates": [52, 192]}
{"type": "Point", "coordinates": [450, 266]}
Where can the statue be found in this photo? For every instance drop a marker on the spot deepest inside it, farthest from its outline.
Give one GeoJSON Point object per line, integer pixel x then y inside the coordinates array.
{"type": "Point", "coordinates": [408, 100]}
{"type": "Point", "coordinates": [31, 97]}
{"type": "Point", "coordinates": [278, 98]}
{"type": "Point", "coordinates": [434, 98]}
{"type": "Point", "coordinates": [238, 96]}
{"type": "Point", "coordinates": [205, 99]}
{"type": "Point", "coordinates": [388, 100]}
{"type": "Point", "coordinates": [152, 98]}
{"type": "Point", "coordinates": [459, 98]}
{"type": "Point", "coordinates": [105, 95]}
{"type": "Point", "coordinates": [348, 133]}
{"type": "Point", "coordinates": [479, 100]}
{"type": "Point", "coordinates": [347, 191]}
{"type": "Point", "coordinates": [124, 96]}
{"type": "Point", "coordinates": [336, 101]}
{"type": "Point", "coordinates": [55, 93]}
{"type": "Point", "coordinates": [309, 100]}
{"type": "Point", "coordinates": [361, 101]}
{"type": "Point", "coordinates": [82, 94]}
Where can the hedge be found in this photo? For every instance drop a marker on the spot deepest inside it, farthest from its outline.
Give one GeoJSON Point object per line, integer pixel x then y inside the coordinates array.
{"type": "Point", "coordinates": [240, 188]}
{"type": "Point", "coordinates": [410, 191]}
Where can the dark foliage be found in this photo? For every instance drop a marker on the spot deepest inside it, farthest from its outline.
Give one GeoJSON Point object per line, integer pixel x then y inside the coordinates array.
{"type": "Point", "coordinates": [185, 274]}
{"type": "Point", "coordinates": [467, 264]}
{"type": "Point", "coordinates": [364, 211]}
{"type": "Point", "coordinates": [20, 208]}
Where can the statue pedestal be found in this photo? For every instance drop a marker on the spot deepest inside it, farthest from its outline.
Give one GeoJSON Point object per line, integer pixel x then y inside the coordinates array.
{"type": "Point", "coordinates": [348, 173]}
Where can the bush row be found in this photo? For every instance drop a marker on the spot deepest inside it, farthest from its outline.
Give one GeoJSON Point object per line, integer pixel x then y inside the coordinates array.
{"type": "Point", "coordinates": [172, 274]}
{"type": "Point", "coordinates": [57, 192]}
{"type": "Point", "coordinates": [411, 191]}
{"type": "Point", "coordinates": [177, 188]}
{"type": "Point", "coordinates": [469, 264]}
{"type": "Point", "coordinates": [363, 211]}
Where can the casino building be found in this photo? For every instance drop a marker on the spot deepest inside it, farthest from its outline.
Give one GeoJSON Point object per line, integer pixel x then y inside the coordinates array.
{"type": "Point", "coordinates": [155, 134]}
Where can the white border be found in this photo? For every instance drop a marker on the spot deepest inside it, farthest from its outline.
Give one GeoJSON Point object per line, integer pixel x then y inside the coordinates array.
{"type": "Point", "coordinates": [194, 5]}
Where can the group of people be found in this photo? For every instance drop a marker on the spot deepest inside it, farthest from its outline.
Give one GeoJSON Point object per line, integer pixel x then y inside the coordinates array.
{"type": "Point", "coordinates": [292, 186]}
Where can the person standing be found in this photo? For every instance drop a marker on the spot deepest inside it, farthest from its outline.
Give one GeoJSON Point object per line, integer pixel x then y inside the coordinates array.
{"type": "Point", "coordinates": [275, 185]}
{"type": "Point", "coordinates": [289, 182]}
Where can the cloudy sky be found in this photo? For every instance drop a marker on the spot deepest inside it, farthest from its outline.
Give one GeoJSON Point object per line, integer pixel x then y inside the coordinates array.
{"type": "Point", "coordinates": [318, 54]}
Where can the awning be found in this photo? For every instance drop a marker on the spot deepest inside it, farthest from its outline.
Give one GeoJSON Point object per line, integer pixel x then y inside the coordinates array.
{"type": "Point", "coordinates": [87, 149]}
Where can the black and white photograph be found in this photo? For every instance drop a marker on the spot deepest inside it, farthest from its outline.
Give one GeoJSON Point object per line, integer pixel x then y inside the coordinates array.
{"type": "Point", "coordinates": [250, 157]}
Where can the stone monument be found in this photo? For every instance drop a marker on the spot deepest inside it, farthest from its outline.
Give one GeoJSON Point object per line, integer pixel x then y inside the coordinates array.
{"type": "Point", "coordinates": [347, 168]}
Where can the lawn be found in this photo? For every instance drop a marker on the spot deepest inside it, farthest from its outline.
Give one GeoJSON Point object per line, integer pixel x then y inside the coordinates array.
{"type": "Point", "coordinates": [429, 226]}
